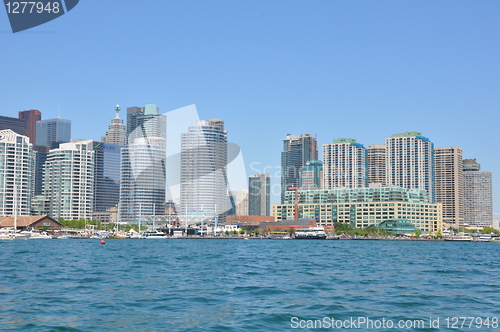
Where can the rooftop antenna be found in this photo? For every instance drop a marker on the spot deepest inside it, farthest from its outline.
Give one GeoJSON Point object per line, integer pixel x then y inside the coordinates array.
{"type": "Point", "coordinates": [59, 110]}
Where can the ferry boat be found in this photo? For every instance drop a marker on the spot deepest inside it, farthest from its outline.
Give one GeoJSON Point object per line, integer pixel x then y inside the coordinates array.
{"type": "Point", "coordinates": [458, 238]}
{"type": "Point", "coordinates": [155, 234]}
{"type": "Point", "coordinates": [311, 233]}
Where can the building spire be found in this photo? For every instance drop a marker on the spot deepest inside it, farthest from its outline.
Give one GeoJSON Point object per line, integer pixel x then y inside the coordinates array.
{"type": "Point", "coordinates": [117, 109]}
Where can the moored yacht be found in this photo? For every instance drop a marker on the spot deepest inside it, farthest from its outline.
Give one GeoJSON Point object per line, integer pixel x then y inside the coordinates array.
{"type": "Point", "coordinates": [311, 233]}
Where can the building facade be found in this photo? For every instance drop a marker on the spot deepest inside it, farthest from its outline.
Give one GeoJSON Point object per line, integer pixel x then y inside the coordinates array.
{"type": "Point", "coordinates": [143, 181]}
{"type": "Point", "coordinates": [297, 151]}
{"type": "Point", "coordinates": [69, 181]}
{"type": "Point", "coordinates": [311, 175]}
{"type": "Point", "coordinates": [376, 164]}
{"type": "Point", "coordinates": [31, 117]}
{"type": "Point", "coordinates": [117, 132]}
{"type": "Point", "coordinates": [53, 132]}
{"type": "Point", "coordinates": [477, 193]}
{"type": "Point", "coordinates": [259, 195]}
{"type": "Point", "coordinates": [238, 202]}
{"type": "Point", "coordinates": [16, 173]}
{"type": "Point", "coordinates": [204, 169]}
{"type": "Point", "coordinates": [410, 162]}
{"type": "Point", "coordinates": [145, 122]}
{"type": "Point", "coordinates": [363, 207]}
{"type": "Point", "coordinates": [14, 124]}
{"type": "Point", "coordinates": [345, 164]}
{"type": "Point", "coordinates": [449, 184]}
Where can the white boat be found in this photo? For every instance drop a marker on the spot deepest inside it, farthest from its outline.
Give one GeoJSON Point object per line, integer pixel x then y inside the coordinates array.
{"type": "Point", "coordinates": [311, 233]}
{"type": "Point", "coordinates": [6, 234]}
{"type": "Point", "coordinates": [458, 238]}
{"type": "Point", "coordinates": [34, 235]}
{"type": "Point", "coordinates": [155, 234]}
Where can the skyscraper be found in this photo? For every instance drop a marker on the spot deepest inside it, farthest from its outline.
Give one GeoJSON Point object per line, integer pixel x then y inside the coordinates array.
{"type": "Point", "coordinates": [238, 202]}
{"type": "Point", "coordinates": [14, 124]}
{"type": "Point", "coordinates": [410, 162]}
{"type": "Point", "coordinates": [69, 180]}
{"type": "Point", "coordinates": [478, 198]}
{"type": "Point", "coordinates": [203, 168]}
{"type": "Point", "coordinates": [53, 132]}
{"type": "Point", "coordinates": [345, 164]}
{"type": "Point", "coordinates": [31, 117]}
{"type": "Point", "coordinates": [143, 183]}
{"type": "Point", "coordinates": [117, 132]}
{"type": "Point", "coordinates": [259, 198]}
{"type": "Point", "coordinates": [16, 171]}
{"type": "Point", "coordinates": [145, 122]}
{"type": "Point", "coordinates": [106, 175]}
{"type": "Point", "coordinates": [297, 151]}
{"type": "Point", "coordinates": [376, 164]}
{"type": "Point", "coordinates": [311, 175]}
{"type": "Point", "coordinates": [449, 183]}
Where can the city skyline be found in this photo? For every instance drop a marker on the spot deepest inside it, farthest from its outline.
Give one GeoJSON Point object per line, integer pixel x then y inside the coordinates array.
{"type": "Point", "coordinates": [331, 69]}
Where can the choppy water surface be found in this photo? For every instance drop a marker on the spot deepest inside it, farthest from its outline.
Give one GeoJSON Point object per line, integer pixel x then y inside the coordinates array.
{"type": "Point", "coordinates": [245, 285]}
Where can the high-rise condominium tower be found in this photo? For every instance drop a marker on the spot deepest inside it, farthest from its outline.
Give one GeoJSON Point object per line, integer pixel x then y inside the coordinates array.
{"type": "Point", "coordinates": [31, 117]}
{"type": "Point", "coordinates": [117, 132]}
{"type": "Point", "coordinates": [344, 164]}
{"type": "Point", "coordinates": [69, 180]}
{"type": "Point", "coordinates": [311, 175]}
{"type": "Point", "coordinates": [53, 132]}
{"type": "Point", "coordinates": [449, 183]}
{"type": "Point", "coordinates": [478, 201]}
{"type": "Point", "coordinates": [143, 182]}
{"type": "Point", "coordinates": [145, 122]}
{"type": "Point", "coordinates": [376, 164]}
{"type": "Point", "coordinates": [203, 168]}
{"type": "Point", "coordinates": [410, 162]}
{"type": "Point", "coordinates": [297, 151]}
{"type": "Point", "coordinates": [16, 171]}
{"type": "Point", "coordinates": [259, 198]}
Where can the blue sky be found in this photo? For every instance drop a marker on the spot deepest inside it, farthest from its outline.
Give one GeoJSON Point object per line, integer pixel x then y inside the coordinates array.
{"type": "Point", "coordinates": [334, 69]}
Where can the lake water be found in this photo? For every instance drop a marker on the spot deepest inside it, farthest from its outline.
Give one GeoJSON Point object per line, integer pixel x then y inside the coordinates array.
{"type": "Point", "coordinates": [248, 285]}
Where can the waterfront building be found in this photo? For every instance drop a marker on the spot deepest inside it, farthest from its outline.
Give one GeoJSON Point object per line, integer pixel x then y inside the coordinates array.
{"type": "Point", "coordinates": [117, 132]}
{"type": "Point", "coordinates": [106, 175]}
{"type": "Point", "coordinates": [14, 124]}
{"type": "Point", "coordinates": [53, 132]}
{"type": "Point", "coordinates": [238, 202]}
{"type": "Point", "coordinates": [143, 182]}
{"type": "Point", "coordinates": [345, 164]}
{"type": "Point", "coordinates": [311, 175]}
{"type": "Point", "coordinates": [203, 169]}
{"type": "Point", "coordinates": [40, 154]}
{"type": "Point", "coordinates": [69, 181]}
{"type": "Point", "coordinates": [362, 207]}
{"type": "Point", "coordinates": [297, 151]}
{"type": "Point", "coordinates": [449, 184]}
{"type": "Point", "coordinates": [259, 195]}
{"type": "Point", "coordinates": [145, 122]}
{"type": "Point", "coordinates": [410, 162]}
{"type": "Point", "coordinates": [31, 118]}
{"type": "Point", "coordinates": [477, 192]}
{"type": "Point", "coordinates": [16, 173]}
{"type": "Point", "coordinates": [376, 164]}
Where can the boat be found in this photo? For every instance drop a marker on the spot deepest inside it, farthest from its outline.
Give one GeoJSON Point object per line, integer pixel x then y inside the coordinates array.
{"type": "Point", "coordinates": [119, 236]}
{"type": "Point", "coordinates": [34, 235]}
{"type": "Point", "coordinates": [311, 233]}
{"type": "Point", "coordinates": [494, 239]}
{"type": "Point", "coordinates": [466, 238]}
{"type": "Point", "coordinates": [154, 234]}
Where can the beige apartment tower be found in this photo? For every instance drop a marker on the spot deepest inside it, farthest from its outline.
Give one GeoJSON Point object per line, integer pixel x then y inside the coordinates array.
{"type": "Point", "coordinates": [449, 184]}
